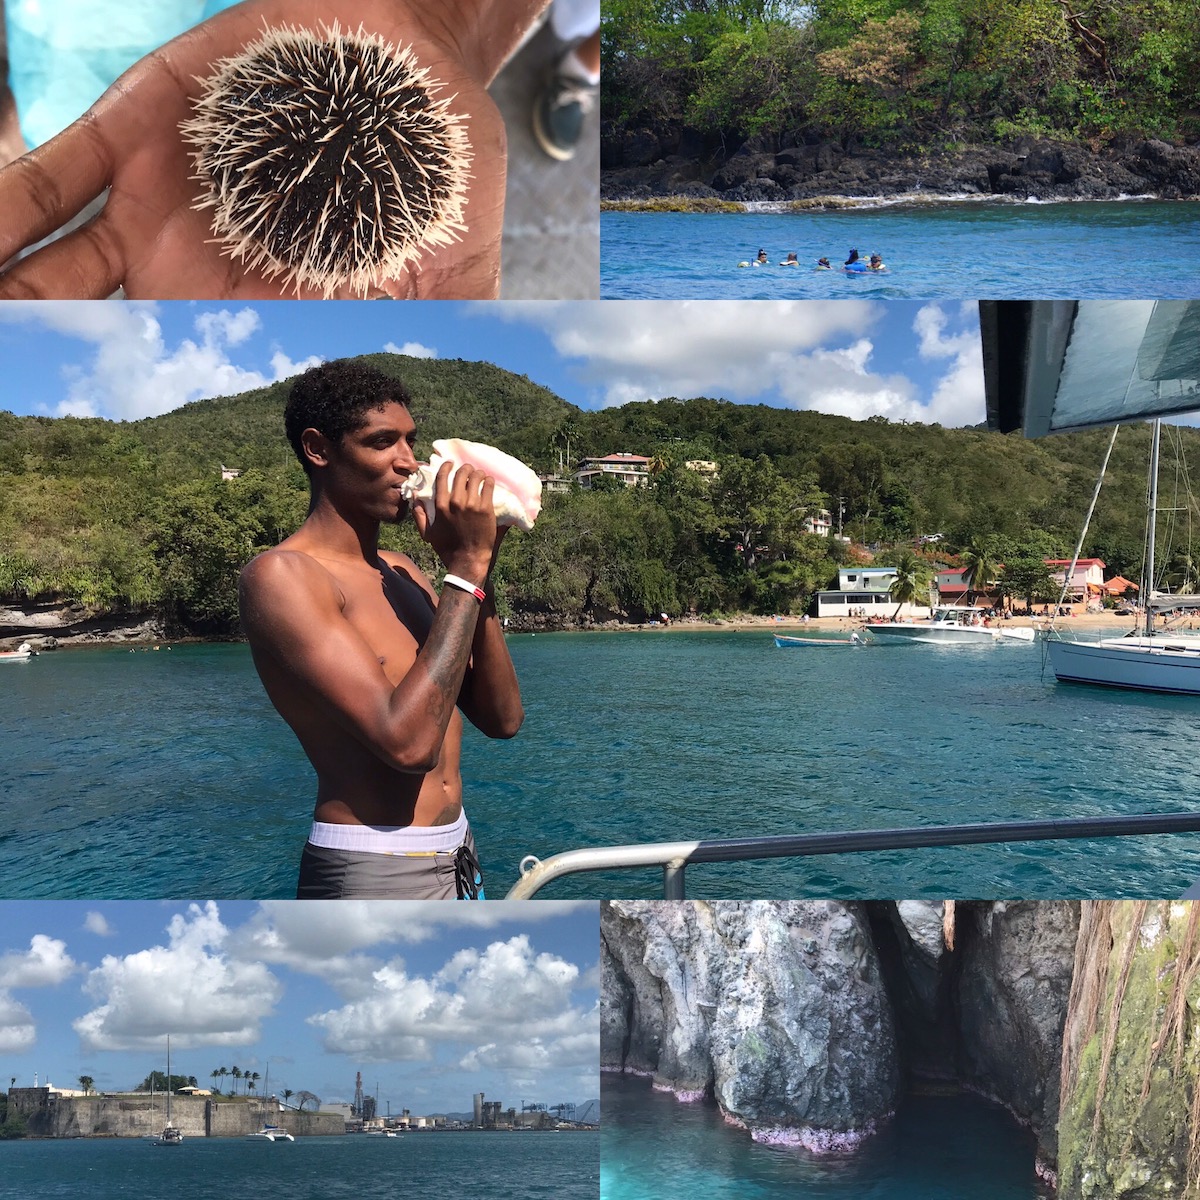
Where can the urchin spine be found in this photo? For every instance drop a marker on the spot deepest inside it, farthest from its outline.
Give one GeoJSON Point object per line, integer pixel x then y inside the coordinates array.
{"type": "Point", "coordinates": [328, 159]}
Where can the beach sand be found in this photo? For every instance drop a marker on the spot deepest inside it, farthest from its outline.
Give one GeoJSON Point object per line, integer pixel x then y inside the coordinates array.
{"type": "Point", "coordinates": [1105, 622]}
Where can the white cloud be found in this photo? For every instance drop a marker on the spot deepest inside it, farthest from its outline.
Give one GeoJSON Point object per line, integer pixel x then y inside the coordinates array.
{"type": "Point", "coordinates": [507, 987]}
{"type": "Point", "coordinates": [809, 355]}
{"type": "Point", "coordinates": [17, 1030]}
{"type": "Point", "coordinates": [326, 937]}
{"type": "Point", "coordinates": [411, 349]}
{"type": "Point", "coordinates": [134, 372]}
{"type": "Point", "coordinates": [44, 964]}
{"type": "Point", "coordinates": [652, 349]}
{"type": "Point", "coordinates": [190, 988]}
{"type": "Point", "coordinates": [804, 354]}
{"type": "Point", "coordinates": [958, 398]}
{"type": "Point", "coordinates": [97, 923]}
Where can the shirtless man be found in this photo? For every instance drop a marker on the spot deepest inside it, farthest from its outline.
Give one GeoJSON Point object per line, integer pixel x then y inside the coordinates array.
{"type": "Point", "coordinates": [364, 661]}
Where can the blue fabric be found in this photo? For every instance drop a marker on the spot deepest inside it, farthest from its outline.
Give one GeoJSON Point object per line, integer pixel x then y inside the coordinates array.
{"type": "Point", "coordinates": [64, 53]}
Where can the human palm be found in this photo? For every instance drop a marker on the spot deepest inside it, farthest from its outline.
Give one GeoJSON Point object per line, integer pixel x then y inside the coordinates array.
{"type": "Point", "coordinates": [149, 239]}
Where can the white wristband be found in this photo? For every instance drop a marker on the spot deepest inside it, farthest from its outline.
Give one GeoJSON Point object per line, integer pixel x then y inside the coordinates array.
{"type": "Point", "coordinates": [464, 585]}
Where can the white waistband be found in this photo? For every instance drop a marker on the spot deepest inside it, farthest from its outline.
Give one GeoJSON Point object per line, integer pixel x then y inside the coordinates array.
{"type": "Point", "coordinates": [390, 839]}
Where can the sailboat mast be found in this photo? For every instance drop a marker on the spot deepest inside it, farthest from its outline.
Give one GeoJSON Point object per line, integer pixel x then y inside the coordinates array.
{"type": "Point", "coordinates": [1151, 519]}
{"type": "Point", "coordinates": [168, 1079]}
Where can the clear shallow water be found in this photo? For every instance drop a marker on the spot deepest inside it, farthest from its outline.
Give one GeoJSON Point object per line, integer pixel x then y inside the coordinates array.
{"type": "Point", "coordinates": [167, 774]}
{"type": "Point", "coordinates": [416, 1166]}
{"type": "Point", "coordinates": [655, 1148]}
{"type": "Point", "coordinates": [964, 250]}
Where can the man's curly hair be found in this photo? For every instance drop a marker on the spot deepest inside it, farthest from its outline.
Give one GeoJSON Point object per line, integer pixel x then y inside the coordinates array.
{"type": "Point", "coordinates": [333, 398]}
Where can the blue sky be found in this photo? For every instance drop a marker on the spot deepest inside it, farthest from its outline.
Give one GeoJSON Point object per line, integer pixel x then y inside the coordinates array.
{"type": "Point", "coordinates": [431, 1001]}
{"type": "Point", "coordinates": [125, 360]}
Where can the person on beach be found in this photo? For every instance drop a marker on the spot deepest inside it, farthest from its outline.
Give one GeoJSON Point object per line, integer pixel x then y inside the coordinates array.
{"type": "Point", "coordinates": [362, 658]}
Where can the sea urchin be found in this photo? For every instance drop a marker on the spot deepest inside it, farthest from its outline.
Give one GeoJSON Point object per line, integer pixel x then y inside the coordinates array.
{"type": "Point", "coordinates": [327, 159]}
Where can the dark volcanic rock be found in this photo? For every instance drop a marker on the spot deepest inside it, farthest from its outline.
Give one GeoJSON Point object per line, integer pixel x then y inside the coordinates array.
{"type": "Point", "coordinates": [1028, 168]}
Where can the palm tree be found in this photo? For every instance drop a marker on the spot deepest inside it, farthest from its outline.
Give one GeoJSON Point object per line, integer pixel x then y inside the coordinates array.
{"type": "Point", "coordinates": [224, 1072]}
{"type": "Point", "coordinates": [912, 579]}
{"type": "Point", "coordinates": [85, 1082]}
{"type": "Point", "coordinates": [254, 1078]}
{"type": "Point", "coordinates": [979, 566]}
{"type": "Point", "coordinates": [287, 1094]}
{"type": "Point", "coordinates": [236, 1072]}
{"type": "Point", "coordinates": [566, 430]}
{"type": "Point", "coordinates": [216, 1075]}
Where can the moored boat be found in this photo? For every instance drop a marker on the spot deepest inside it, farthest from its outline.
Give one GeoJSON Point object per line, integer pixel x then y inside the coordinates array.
{"type": "Point", "coordinates": [785, 640]}
{"type": "Point", "coordinates": [952, 624]}
{"type": "Point", "coordinates": [22, 653]}
{"type": "Point", "coordinates": [271, 1133]}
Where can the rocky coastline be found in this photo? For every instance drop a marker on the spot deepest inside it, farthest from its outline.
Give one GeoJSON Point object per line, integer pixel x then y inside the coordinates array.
{"type": "Point", "coordinates": [52, 625]}
{"type": "Point", "coordinates": [642, 165]}
{"type": "Point", "coordinates": [60, 626]}
{"type": "Point", "coordinates": [808, 1022]}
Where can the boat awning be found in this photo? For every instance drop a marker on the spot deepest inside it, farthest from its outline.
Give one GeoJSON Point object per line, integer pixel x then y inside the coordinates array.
{"type": "Point", "coordinates": [1052, 366]}
{"type": "Point", "coordinates": [1161, 603]}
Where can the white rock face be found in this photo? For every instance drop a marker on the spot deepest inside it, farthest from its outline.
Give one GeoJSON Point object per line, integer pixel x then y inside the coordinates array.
{"type": "Point", "coordinates": [923, 921]}
{"type": "Point", "coordinates": [776, 1008]}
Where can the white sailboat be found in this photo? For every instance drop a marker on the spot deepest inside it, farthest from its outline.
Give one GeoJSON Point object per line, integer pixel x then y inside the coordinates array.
{"type": "Point", "coordinates": [171, 1135]}
{"type": "Point", "coordinates": [1144, 660]}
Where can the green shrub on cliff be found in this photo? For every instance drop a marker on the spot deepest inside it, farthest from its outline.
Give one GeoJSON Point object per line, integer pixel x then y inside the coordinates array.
{"type": "Point", "coordinates": [893, 73]}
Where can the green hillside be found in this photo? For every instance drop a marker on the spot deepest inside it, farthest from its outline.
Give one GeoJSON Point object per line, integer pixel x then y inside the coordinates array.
{"type": "Point", "coordinates": [136, 517]}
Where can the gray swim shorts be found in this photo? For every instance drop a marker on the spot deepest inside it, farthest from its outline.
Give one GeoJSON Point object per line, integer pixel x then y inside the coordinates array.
{"type": "Point", "coordinates": [370, 863]}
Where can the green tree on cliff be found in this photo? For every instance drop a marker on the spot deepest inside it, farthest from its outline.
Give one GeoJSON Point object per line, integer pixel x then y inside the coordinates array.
{"type": "Point", "coordinates": [85, 1082]}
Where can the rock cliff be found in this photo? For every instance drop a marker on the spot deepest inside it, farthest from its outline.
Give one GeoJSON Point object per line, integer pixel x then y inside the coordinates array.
{"type": "Point", "coordinates": [807, 1020]}
{"type": "Point", "coordinates": [642, 163]}
{"type": "Point", "coordinates": [778, 1009]}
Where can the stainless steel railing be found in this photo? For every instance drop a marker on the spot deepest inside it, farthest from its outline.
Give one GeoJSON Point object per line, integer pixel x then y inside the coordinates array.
{"type": "Point", "coordinates": [675, 857]}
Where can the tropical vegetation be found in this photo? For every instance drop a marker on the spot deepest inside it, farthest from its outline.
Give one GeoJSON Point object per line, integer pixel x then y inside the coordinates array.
{"type": "Point", "coordinates": [136, 519]}
{"type": "Point", "coordinates": [914, 74]}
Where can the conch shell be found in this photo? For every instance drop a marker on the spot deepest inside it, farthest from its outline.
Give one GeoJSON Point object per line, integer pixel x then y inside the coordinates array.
{"type": "Point", "coordinates": [518, 491]}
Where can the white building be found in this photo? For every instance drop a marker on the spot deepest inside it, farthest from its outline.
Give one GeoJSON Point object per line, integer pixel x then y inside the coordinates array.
{"type": "Point", "coordinates": [633, 470]}
{"type": "Point", "coordinates": [820, 523]}
{"type": "Point", "coordinates": [865, 592]}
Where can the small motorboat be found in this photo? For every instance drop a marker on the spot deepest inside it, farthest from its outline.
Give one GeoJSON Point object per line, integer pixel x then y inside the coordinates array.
{"type": "Point", "coordinates": [23, 653]}
{"type": "Point", "coordinates": [783, 641]}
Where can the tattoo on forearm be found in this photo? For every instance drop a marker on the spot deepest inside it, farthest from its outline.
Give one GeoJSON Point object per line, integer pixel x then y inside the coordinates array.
{"type": "Point", "coordinates": [446, 664]}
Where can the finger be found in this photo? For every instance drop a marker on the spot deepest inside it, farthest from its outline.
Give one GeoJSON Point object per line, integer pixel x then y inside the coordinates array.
{"type": "Point", "coordinates": [85, 265]}
{"type": "Point", "coordinates": [421, 517]}
{"type": "Point", "coordinates": [45, 188]}
{"type": "Point", "coordinates": [441, 484]}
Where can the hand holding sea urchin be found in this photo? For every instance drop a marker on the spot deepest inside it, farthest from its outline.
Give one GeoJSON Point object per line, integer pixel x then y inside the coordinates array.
{"type": "Point", "coordinates": [327, 159]}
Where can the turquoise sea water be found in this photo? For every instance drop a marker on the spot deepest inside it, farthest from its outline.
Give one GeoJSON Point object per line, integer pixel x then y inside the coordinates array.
{"type": "Point", "coordinates": [148, 775]}
{"type": "Point", "coordinates": [418, 1166]}
{"type": "Point", "coordinates": [952, 1148]}
{"type": "Point", "coordinates": [965, 250]}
